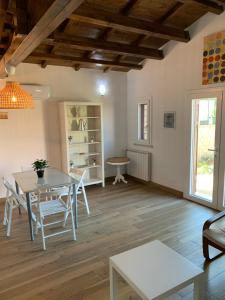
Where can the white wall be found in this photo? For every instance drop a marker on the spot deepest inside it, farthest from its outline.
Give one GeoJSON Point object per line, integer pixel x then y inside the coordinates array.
{"type": "Point", "coordinates": [31, 134]}
{"type": "Point", "coordinates": [168, 82]}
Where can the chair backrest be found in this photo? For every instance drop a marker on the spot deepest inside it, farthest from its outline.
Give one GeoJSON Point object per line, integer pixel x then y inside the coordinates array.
{"type": "Point", "coordinates": [12, 193]}
{"type": "Point", "coordinates": [79, 174]}
{"type": "Point", "coordinates": [53, 195]}
{"type": "Point", "coordinates": [10, 190]}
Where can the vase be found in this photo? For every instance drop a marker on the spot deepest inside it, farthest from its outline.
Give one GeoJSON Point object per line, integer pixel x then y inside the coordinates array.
{"type": "Point", "coordinates": [40, 173]}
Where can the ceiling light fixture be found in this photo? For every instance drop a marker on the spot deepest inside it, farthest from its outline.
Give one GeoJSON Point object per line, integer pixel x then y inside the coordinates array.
{"type": "Point", "coordinates": [102, 89]}
{"type": "Point", "coordinates": [12, 96]}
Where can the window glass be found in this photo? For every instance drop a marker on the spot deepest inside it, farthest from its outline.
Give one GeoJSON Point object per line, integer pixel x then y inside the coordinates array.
{"type": "Point", "coordinates": [143, 128]}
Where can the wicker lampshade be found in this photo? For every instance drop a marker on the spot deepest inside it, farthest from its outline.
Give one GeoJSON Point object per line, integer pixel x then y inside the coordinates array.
{"type": "Point", "coordinates": [12, 96]}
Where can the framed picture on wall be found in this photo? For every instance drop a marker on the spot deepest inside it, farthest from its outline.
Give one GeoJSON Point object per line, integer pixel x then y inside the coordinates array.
{"type": "Point", "coordinates": [169, 119]}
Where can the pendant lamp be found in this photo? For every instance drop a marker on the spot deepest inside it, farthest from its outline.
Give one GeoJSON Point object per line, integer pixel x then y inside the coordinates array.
{"type": "Point", "coordinates": [12, 96]}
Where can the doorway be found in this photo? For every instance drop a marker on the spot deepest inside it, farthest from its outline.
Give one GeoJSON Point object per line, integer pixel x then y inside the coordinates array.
{"type": "Point", "coordinates": [205, 115]}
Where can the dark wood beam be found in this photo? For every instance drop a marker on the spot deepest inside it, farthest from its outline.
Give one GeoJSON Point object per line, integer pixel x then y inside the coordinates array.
{"type": "Point", "coordinates": [109, 47]}
{"type": "Point", "coordinates": [108, 19]}
{"type": "Point", "coordinates": [106, 69]}
{"type": "Point", "coordinates": [53, 17]}
{"type": "Point", "coordinates": [211, 6]}
{"type": "Point", "coordinates": [221, 1]}
{"type": "Point", "coordinates": [127, 8]}
{"type": "Point", "coordinates": [77, 67]}
{"type": "Point", "coordinates": [170, 12]}
{"type": "Point", "coordinates": [125, 12]}
{"type": "Point", "coordinates": [75, 60]}
{"type": "Point", "coordinates": [44, 64]}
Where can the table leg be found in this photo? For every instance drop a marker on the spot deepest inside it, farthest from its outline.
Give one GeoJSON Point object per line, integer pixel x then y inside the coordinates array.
{"type": "Point", "coordinates": [75, 205]}
{"type": "Point", "coordinates": [119, 176]}
{"type": "Point", "coordinates": [113, 283]}
{"type": "Point", "coordinates": [197, 289]}
{"type": "Point", "coordinates": [18, 191]}
{"type": "Point", "coordinates": [30, 216]}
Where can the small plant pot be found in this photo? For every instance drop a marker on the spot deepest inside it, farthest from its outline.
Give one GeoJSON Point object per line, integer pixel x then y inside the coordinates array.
{"type": "Point", "coordinates": [40, 173]}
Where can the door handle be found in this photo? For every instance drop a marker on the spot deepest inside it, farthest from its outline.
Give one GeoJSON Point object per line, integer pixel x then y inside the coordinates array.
{"type": "Point", "coordinates": [213, 150]}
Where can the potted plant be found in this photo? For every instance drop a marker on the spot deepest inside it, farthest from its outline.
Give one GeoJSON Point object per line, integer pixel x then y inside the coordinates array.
{"type": "Point", "coordinates": [39, 166]}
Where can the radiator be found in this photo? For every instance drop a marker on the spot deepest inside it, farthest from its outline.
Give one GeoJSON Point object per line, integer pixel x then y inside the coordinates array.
{"type": "Point", "coordinates": [140, 164]}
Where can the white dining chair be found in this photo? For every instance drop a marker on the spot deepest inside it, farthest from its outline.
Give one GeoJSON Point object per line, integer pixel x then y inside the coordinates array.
{"type": "Point", "coordinates": [80, 189]}
{"type": "Point", "coordinates": [78, 174]}
{"type": "Point", "coordinates": [51, 204]}
{"type": "Point", "coordinates": [13, 200]}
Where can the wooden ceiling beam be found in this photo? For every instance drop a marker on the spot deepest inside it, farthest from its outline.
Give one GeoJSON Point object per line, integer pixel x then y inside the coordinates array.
{"type": "Point", "coordinates": [211, 6]}
{"type": "Point", "coordinates": [103, 18]}
{"type": "Point", "coordinates": [44, 64]}
{"type": "Point", "coordinates": [75, 60]}
{"type": "Point", "coordinates": [77, 67]}
{"type": "Point", "coordinates": [53, 17]}
{"type": "Point", "coordinates": [127, 8]}
{"type": "Point", "coordinates": [125, 12]}
{"type": "Point", "coordinates": [170, 12]}
{"type": "Point", "coordinates": [109, 47]}
{"type": "Point", "coordinates": [221, 1]}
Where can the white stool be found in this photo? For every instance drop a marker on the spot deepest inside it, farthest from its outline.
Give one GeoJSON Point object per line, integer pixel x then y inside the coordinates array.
{"type": "Point", "coordinates": [118, 162]}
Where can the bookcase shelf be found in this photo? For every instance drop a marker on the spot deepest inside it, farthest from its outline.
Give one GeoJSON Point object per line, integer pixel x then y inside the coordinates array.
{"type": "Point", "coordinates": [82, 140]}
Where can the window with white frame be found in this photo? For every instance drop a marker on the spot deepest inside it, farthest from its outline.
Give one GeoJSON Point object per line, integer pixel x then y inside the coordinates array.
{"type": "Point", "coordinates": [144, 122]}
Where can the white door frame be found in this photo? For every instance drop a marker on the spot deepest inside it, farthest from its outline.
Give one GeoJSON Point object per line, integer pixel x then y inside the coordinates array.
{"type": "Point", "coordinates": [219, 176]}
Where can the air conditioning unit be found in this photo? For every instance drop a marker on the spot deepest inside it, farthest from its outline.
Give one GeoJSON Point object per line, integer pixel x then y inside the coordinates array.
{"type": "Point", "coordinates": [38, 91]}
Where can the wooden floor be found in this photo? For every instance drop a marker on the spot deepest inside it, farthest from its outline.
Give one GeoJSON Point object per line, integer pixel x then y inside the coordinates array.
{"type": "Point", "coordinates": [122, 217]}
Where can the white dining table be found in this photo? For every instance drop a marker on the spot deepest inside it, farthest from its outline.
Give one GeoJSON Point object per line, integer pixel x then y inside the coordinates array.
{"type": "Point", "coordinates": [28, 182]}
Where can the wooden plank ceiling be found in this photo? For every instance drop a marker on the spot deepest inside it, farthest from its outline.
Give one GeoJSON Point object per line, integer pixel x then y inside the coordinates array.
{"type": "Point", "coordinates": [108, 35]}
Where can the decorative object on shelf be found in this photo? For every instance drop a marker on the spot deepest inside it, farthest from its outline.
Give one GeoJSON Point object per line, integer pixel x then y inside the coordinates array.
{"type": "Point", "coordinates": [74, 111]}
{"type": "Point", "coordinates": [85, 124]}
{"type": "Point", "coordinates": [71, 164]}
{"type": "Point", "coordinates": [39, 166]}
{"type": "Point", "coordinates": [75, 125]}
{"type": "Point", "coordinates": [82, 125]}
{"type": "Point", "coordinates": [12, 96]}
{"type": "Point", "coordinates": [94, 162]}
{"type": "Point", "coordinates": [70, 138]}
{"type": "Point", "coordinates": [169, 119]}
{"type": "Point", "coordinates": [214, 58]}
{"type": "Point", "coordinates": [92, 139]}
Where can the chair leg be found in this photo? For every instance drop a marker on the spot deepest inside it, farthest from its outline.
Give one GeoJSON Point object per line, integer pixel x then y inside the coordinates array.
{"type": "Point", "coordinates": [19, 208]}
{"type": "Point", "coordinates": [42, 234]}
{"type": "Point", "coordinates": [65, 218]}
{"type": "Point", "coordinates": [5, 220]}
{"type": "Point", "coordinates": [85, 200]}
{"type": "Point", "coordinates": [205, 245]}
{"type": "Point", "coordinates": [9, 225]}
{"type": "Point", "coordinates": [36, 226]}
{"type": "Point", "coordinates": [73, 226]}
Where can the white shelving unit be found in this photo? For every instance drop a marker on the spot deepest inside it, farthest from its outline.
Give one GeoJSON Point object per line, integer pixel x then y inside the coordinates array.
{"type": "Point", "coordinates": [82, 140]}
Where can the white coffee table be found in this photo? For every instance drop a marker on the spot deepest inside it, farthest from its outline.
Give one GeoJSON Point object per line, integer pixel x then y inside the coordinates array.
{"type": "Point", "coordinates": [154, 271]}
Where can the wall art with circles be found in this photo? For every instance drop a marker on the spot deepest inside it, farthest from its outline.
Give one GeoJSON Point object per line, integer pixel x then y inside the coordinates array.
{"type": "Point", "coordinates": [214, 59]}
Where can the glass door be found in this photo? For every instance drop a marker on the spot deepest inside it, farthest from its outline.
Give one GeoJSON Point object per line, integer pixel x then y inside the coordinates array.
{"type": "Point", "coordinates": [205, 125]}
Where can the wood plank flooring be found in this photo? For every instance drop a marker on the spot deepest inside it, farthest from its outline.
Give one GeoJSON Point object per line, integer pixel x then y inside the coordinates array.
{"type": "Point", "coordinates": [122, 217]}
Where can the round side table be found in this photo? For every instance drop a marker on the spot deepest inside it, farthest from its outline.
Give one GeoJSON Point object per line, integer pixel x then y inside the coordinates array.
{"type": "Point", "coordinates": [118, 162]}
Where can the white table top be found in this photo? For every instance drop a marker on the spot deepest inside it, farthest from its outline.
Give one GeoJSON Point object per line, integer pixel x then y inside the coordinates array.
{"type": "Point", "coordinates": [29, 182]}
{"type": "Point", "coordinates": [154, 269]}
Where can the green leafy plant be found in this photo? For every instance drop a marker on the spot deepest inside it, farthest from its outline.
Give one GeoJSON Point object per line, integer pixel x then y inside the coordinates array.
{"type": "Point", "coordinates": [40, 164]}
